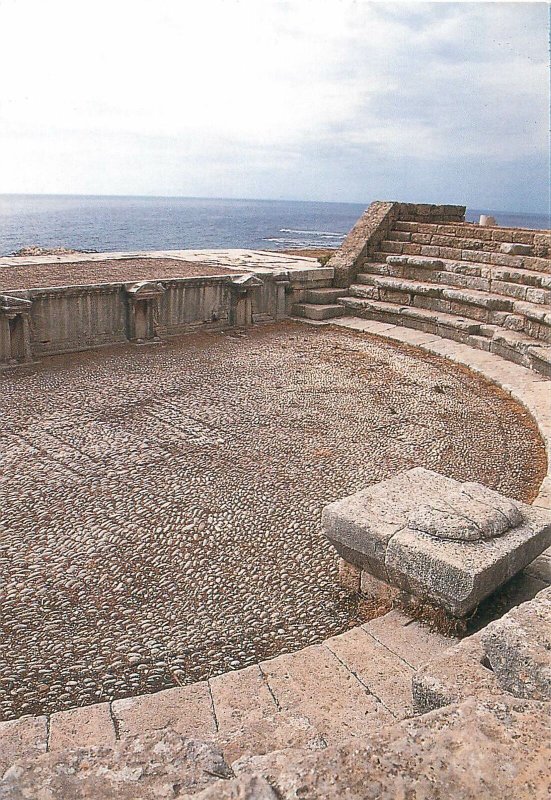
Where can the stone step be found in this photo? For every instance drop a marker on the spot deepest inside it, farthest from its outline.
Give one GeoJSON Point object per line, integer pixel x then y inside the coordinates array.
{"type": "Point", "coordinates": [460, 240]}
{"type": "Point", "coordinates": [516, 346]}
{"type": "Point", "coordinates": [522, 349]}
{"type": "Point", "coordinates": [470, 231]}
{"type": "Point", "coordinates": [315, 684]}
{"type": "Point", "coordinates": [534, 287]}
{"type": "Point", "coordinates": [533, 263]}
{"type": "Point", "coordinates": [316, 311]}
{"type": "Point", "coordinates": [413, 317]}
{"type": "Point", "coordinates": [484, 307]}
{"type": "Point", "coordinates": [389, 284]}
{"type": "Point", "coordinates": [323, 296]}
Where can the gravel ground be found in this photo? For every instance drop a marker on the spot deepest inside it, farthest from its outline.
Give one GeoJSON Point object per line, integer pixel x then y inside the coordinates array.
{"type": "Point", "coordinates": [117, 270]}
{"type": "Point", "coordinates": [161, 504]}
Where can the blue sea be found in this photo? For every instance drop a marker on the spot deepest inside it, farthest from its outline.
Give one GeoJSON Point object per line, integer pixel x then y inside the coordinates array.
{"type": "Point", "coordinates": [169, 223]}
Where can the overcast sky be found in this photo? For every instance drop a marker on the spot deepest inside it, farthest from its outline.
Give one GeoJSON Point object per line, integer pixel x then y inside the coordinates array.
{"type": "Point", "coordinates": [322, 100]}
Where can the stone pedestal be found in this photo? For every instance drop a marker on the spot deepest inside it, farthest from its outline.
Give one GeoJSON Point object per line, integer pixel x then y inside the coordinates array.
{"type": "Point", "coordinates": [447, 543]}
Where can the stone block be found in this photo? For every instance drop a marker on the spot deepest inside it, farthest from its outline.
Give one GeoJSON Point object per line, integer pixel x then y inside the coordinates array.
{"type": "Point", "coordinates": [518, 648]}
{"type": "Point", "coordinates": [453, 676]}
{"type": "Point", "coordinates": [240, 696]}
{"type": "Point", "coordinates": [313, 683]}
{"type": "Point", "coordinates": [386, 675]}
{"type": "Point", "coordinates": [447, 542]}
{"type": "Point", "coordinates": [542, 244]}
{"type": "Point", "coordinates": [20, 738]}
{"type": "Point", "coordinates": [156, 764]}
{"type": "Point", "coordinates": [188, 710]}
{"type": "Point", "coordinates": [430, 251]}
{"type": "Point", "coordinates": [82, 727]}
{"type": "Point", "coordinates": [515, 249]}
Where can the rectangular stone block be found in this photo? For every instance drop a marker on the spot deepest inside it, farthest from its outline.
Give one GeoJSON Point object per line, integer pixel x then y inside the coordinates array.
{"type": "Point", "coordinates": [412, 641]}
{"type": "Point", "coordinates": [315, 684]}
{"type": "Point", "coordinates": [82, 727]}
{"type": "Point", "coordinates": [21, 738]}
{"type": "Point", "coordinates": [241, 697]}
{"type": "Point", "coordinates": [385, 674]}
{"type": "Point", "coordinates": [518, 648]}
{"type": "Point", "coordinates": [188, 710]}
{"type": "Point", "coordinates": [412, 249]}
{"type": "Point", "coordinates": [438, 539]}
{"type": "Point", "coordinates": [429, 250]}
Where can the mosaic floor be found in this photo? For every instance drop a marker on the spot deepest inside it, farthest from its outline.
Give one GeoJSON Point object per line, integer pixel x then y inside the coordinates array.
{"type": "Point", "coordinates": [161, 504]}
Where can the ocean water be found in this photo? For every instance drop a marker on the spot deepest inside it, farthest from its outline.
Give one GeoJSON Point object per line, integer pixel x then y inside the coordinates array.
{"type": "Point", "coordinates": [169, 223]}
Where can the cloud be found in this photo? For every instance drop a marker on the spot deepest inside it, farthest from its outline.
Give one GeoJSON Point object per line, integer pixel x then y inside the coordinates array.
{"type": "Point", "coordinates": [274, 98]}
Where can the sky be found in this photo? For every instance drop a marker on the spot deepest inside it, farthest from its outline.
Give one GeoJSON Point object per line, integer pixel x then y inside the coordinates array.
{"type": "Point", "coordinates": [336, 100]}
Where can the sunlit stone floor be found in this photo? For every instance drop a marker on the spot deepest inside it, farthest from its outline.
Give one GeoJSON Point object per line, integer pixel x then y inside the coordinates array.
{"type": "Point", "coordinates": [161, 505]}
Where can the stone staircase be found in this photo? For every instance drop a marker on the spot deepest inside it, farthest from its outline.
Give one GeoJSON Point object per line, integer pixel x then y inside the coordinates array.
{"type": "Point", "coordinates": [319, 304]}
{"type": "Point", "coordinates": [457, 282]}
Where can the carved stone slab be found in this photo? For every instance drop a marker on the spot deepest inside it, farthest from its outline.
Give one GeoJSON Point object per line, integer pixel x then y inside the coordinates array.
{"type": "Point", "coordinates": [431, 536]}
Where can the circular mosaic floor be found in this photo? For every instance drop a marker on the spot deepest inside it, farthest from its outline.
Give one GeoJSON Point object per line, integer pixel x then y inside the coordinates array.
{"type": "Point", "coordinates": [161, 505]}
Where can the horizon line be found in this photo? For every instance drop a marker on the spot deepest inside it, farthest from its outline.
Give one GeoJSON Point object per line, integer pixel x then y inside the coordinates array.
{"type": "Point", "coordinates": [259, 200]}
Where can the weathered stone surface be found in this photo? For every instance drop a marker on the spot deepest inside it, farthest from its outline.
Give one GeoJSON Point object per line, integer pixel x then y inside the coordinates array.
{"type": "Point", "coordinates": [412, 641]}
{"type": "Point", "coordinates": [22, 737]}
{"type": "Point", "coordinates": [82, 727]}
{"type": "Point", "coordinates": [282, 731]}
{"type": "Point", "coordinates": [459, 575]}
{"type": "Point", "coordinates": [249, 787]}
{"type": "Point", "coordinates": [239, 696]}
{"type": "Point", "coordinates": [152, 765]}
{"type": "Point", "coordinates": [454, 676]}
{"type": "Point", "coordinates": [518, 647]}
{"type": "Point", "coordinates": [542, 244]}
{"type": "Point", "coordinates": [313, 683]}
{"type": "Point", "coordinates": [436, 538]}
{"type": "Point", "coordinates": [479, 750]}
{"type": "Point", "coordinates": [385, 674]}
{"type": "Point", "coordinates": [187, 710]}
{"type": "Point", "coordinates": [513, 249]}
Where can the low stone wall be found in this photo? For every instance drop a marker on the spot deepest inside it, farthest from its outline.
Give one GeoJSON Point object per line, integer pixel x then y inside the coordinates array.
{"type": "Point", "coordinates": [374, 226]}
{"type": "Point", "coordinates": [43, 322]}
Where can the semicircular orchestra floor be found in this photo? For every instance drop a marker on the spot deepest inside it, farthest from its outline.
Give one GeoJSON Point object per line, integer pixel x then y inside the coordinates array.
{"type": "Point", "coordinates": [161, 504]}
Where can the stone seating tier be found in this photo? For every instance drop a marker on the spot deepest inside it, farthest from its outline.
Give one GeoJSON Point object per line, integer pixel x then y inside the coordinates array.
{"type": "Point", "coordinates": [488, 287]}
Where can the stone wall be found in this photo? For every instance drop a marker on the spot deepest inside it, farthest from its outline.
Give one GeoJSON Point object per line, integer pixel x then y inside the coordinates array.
{"type": "Point", "coordinates": [43, 322]}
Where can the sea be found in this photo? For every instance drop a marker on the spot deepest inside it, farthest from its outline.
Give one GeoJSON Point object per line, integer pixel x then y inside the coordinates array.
{"type": "Point", "coordinates": [98, 224]}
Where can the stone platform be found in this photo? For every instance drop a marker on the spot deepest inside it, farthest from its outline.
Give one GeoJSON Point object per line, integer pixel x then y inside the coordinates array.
{"type": "Point", "coordinates": [28, 272]}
